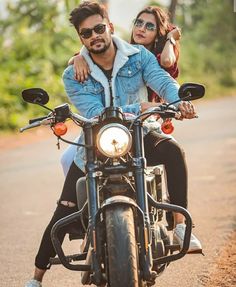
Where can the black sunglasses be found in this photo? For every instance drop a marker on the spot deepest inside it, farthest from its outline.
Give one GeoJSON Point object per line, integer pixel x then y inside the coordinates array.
{"type": "Point", "coordinates": [98, 29]}
{"type": "Point", "coordinates": [148, 25]}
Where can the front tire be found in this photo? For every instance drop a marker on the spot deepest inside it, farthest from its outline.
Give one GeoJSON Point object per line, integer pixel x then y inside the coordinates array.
{"type": "Point", "coordinates": [121, 247]}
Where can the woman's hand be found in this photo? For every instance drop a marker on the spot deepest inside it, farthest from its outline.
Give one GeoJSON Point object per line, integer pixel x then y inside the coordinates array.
{"type": "Point", "coordinates": [168, 54]}
{"type": "Point", "coordinates": [175, 33]}
{"type": "Point", "coordinates": [81, 68]}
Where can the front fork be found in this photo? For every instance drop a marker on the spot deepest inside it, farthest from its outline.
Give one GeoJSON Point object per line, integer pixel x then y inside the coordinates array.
{"type": "Point", "coordinates": [92, 195]}
{"type": "Point", "coordinates": [139, 164]}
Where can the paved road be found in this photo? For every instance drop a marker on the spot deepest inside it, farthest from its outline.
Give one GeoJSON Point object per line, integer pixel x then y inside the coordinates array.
{"type": "Point", "coordinates": [31, 180]}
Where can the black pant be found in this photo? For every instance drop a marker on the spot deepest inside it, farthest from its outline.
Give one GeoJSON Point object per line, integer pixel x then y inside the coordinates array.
{"type": "Point", "coordinates": [162, 150]}
{"type": "Point", "coordinates": [46, 249]}
{"type": "Point", "coordinates": [158, 150]}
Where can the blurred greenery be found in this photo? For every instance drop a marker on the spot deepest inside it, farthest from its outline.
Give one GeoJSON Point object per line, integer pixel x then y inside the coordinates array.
{"type": "Point", "coordinates": [36, 42]}
{"type": "Point", "coordinates": [208, 45]}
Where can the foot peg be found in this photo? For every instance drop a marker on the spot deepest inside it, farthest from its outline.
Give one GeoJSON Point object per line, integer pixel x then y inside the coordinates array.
{"type": "Point", "coordinates": [199, 251]}
{"type": "Point", "coordinates": [69, 258]}
{"type": "Point", "coordinates": [173, 247]}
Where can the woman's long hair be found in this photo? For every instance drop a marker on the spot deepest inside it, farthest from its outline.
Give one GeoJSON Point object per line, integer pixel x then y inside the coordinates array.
{"type": "Point", "coordinates": [163, 28]}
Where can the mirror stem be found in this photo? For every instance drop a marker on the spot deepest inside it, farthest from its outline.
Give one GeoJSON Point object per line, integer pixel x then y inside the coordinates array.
{"type": "Point", "coordinates": [46, 108]}
{"type": "Point", "coordinates": [183, 99]}
{"type": "Point", "coordinates": [174, 102]}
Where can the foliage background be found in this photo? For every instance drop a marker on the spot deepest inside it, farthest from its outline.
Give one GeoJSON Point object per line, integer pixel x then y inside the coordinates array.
{"type": "Point", "coordinates": [36, 42]}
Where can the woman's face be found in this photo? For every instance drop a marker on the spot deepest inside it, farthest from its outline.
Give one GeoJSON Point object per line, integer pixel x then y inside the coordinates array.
{"type": "Point", "coordinates": [145, 30]}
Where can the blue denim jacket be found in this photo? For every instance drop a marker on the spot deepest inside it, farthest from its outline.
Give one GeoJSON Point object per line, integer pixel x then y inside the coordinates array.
{"type": "Point", "coordinates": [134, 68]}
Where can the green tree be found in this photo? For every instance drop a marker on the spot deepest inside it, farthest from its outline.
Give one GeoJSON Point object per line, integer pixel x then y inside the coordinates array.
{"type": "Point", "coordinates": [36, 42]}
{"type": "Point", "coordinates": [209, 41]}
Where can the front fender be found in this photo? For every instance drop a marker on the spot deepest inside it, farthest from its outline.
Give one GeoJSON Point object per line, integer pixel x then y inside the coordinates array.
{"type": "Point", "coordinates": [118, 199]}
{"type": "Point", "coordinates": [121, 199]}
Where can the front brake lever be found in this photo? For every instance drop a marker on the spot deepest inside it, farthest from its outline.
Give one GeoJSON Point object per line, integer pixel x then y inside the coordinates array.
{"type": "Point", "coordinates": [30, 126]}
{"type": "Point", "coordinates": [44, 122]}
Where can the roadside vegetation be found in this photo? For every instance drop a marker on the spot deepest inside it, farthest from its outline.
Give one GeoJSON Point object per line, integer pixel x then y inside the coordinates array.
{"type": "Point", "coordinates": [36, 42]}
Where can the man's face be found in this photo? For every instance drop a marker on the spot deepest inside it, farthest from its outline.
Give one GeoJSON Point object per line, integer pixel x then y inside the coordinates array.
{"type": "Point", "coordinates": [95, 34]}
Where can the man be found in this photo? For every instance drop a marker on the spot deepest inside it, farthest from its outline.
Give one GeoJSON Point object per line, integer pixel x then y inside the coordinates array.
{"type": "Point", "coordinates": [119, 75]}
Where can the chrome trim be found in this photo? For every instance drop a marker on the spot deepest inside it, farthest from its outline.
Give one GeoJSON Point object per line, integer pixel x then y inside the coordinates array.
{"type": "Point", "coordinates": [112, 125]}
{"type": "Point", "coordinates": [118, 199]}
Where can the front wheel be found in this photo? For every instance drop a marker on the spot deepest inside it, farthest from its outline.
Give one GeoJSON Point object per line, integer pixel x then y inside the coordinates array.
{"type": "Point", "coordinates": [121, 247]}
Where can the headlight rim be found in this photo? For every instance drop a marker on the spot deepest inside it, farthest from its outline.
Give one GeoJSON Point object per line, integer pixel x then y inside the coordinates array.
{"type": "Point", "coordinates": [112, 125]}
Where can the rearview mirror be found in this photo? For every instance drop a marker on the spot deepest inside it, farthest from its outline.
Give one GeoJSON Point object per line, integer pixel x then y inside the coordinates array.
{"type": "Point", "coordinates": [35, 96]}
{"type": "Point", "coordinates": [191, 91]}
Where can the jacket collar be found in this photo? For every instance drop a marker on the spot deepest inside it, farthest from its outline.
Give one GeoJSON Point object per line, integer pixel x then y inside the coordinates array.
{"type": "Point", "coordinates": [123, 47]}
{"type": "Point", "coordinates": [124, 50]}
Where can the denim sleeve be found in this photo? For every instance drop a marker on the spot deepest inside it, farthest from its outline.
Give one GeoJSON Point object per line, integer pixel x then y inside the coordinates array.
{"type": "Point", "coordinates": [157, 78]}
{"type": "Point", "coordinates": [82, 96]}
{"type": "Point", "coordinates": [132, 109]}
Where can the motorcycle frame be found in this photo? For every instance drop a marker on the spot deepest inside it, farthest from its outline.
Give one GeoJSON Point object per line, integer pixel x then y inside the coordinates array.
{"type": "Point", "coordinates": [138, 166]}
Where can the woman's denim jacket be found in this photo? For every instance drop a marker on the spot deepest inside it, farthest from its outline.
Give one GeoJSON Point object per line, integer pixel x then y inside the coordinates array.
{"type": "Point", "coordinates": [134, 68]}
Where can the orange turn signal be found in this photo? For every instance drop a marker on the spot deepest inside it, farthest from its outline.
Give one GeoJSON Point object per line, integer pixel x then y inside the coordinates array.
{"type": "Point", "coordinates": [60, 129]}
{"type": "Point", "coordinates": [167, 126]}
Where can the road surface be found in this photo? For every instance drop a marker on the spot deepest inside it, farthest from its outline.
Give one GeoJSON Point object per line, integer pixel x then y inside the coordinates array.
{"type": "Point", "coordinates": [31, 180]}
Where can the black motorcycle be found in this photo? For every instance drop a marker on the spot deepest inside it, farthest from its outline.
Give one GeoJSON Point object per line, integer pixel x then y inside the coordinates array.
{"type": "Point", "coordinates": [122, 209]}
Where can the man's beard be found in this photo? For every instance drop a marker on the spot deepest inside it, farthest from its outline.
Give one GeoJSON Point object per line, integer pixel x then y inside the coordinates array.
{"type": "Point", "coordinates": [100, 51]}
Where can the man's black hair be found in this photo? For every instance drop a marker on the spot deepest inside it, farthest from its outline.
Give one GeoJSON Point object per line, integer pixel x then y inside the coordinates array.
{"type": "Point", "coordinates": [85, 10]}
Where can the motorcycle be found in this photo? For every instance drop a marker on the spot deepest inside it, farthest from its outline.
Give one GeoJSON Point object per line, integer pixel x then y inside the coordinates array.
{"type": "Point", "coordinates": [122, 203]}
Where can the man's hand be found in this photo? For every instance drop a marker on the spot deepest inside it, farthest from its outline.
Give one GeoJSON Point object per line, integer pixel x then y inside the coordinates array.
{"type": "Point", "coordinates": [187, 110]}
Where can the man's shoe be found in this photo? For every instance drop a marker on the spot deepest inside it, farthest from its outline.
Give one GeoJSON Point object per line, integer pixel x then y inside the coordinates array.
{"type": "Point", "coordinates": [178, 238]}
{"type": "Point", "coordinates": [33, 283]}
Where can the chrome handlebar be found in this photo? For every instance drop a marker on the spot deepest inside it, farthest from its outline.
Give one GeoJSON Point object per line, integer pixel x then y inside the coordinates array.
{"type": "Point", "coordinates": [80, 120]}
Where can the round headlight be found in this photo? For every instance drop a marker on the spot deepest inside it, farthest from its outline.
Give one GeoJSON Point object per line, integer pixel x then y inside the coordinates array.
{"type": "Point", "coordinates": [114, 140]}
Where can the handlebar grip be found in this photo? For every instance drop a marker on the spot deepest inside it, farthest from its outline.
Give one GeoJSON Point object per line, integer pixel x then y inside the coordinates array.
{"type": "Point", "coordinates": [37, 119]}
{"type": "Point", "coordinates": [30, 126]}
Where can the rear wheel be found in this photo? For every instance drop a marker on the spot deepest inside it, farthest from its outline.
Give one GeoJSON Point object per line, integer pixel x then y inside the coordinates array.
{"type": "Point", "coordinates": [121, 247]}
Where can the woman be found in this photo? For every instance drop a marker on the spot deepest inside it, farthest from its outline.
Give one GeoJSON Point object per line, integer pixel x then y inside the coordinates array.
{"type": "Point", "coordinates": [153, 30]}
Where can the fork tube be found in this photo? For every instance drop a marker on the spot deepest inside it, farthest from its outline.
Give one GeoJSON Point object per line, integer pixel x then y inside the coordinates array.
{"type": "Point", "coordinates": [140, 164]}
{"type": "Point", "coordinates": [91, 186]}
{"type": "Point", "coordinates": [90, 173]}
{"type": "Point", "coordinates": [141, 190]}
